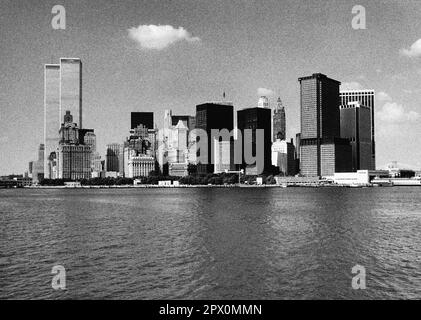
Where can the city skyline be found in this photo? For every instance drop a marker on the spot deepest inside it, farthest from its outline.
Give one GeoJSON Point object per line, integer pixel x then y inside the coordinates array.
{"type": "Point", "coordinates": [135, 81]}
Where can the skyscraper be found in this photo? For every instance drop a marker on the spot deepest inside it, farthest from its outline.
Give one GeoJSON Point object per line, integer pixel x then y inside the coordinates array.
{"type": "Point", "coordinates": [51, 114]}
{"type": "Point", "coordinates": [141, 118]}
{"type": "Point", "coordinates": [283, 157]}
{"type": "Point", "coordinates": [256, 118]}
{"type": "Point", "coordinates": [279, 125]}
{"type": "Point", "coordinates": [38, 166]}
{"type": "Point", "coordinates": [73, 158]}
{"type": "Point", "coordinates": [356, 126]}
{"type": "Point", "coordinates": [322, 151]}
{"type": "Point", "coordinates": [112, 157]}
{"type": "Point", "coordinates": [62, 91]}
{"type": "Point", "coordinates": [367, 99]}
{"type": "Point", "coordinates": [263, 102]}
{"type": "Point", "coordinates": [71, 88]}
{"type": "Point", "coordinates": [212, 115]}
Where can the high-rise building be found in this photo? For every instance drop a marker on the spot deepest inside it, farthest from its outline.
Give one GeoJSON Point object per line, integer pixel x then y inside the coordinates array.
{"type": "Point", "coordinates": [212, 115]}
{"type": "Point", "coordinates": [263, 102]}
{"type": "Point", "coordinates": [71, 88]}
{"type": "Point", "coordinates": [283, 157]}
{"type": "Point", "coordinates": [62, 91]}
{"type": "Point", "coordinates": [38, 166]}
{"type": "Point", "coordinates": [256, 118]}
{"type": "Point", "coordinates": [224, 156]}
{"type": "Point", "coordinates": [137, 151]}
{"type": "Point", "coordinates": [279, 124]}
{"type": "Point", "coordinates": [142, 118]}
{"type": "Point", "coordinates": [112, 157]}
{"type": "Point", "coordinates": [73, 159]}
{"type": "Point", "coordinates": [356, 126]}
{"type": "Point", "coordinates": [90, 140]}
{"type": "Point", "coordinates": [177, 154]}
{"type": "Point", "coordinates": [51, 114]}
{"type": "Point", "coordinates": [297, 152]}
{"type": "Point", "coordinates": [322, 151]}
{"type": "Point", "coordinates": [367, 99]}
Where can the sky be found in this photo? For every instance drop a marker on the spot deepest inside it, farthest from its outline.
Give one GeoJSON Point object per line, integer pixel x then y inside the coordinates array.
{"type": "Point", "coordinates": [157, 55]}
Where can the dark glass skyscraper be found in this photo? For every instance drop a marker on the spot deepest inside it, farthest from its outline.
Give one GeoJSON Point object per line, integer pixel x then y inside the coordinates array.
{"type": "Point", "coordinates": [141, 118]}
{"type": "Point", "coordinates": [256, 118]}
{"type": "Point", "coordinates": [367, 99]}
{"type": "Point", "coordinates": [356, 126]}
{"type": "Point", "coordinates": [279, 124]}
{"type": "Point", "coordinates": [212, 115]}
{"type": "Point", "coordinates": [322, 151]}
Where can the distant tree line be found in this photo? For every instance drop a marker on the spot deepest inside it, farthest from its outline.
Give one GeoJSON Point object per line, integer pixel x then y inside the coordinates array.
{"type": "Point", "coordinates": [155, 177]}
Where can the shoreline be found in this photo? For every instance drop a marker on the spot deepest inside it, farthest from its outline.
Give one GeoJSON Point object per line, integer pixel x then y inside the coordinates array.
{"type": "Point", "coordinates": [209, 186]}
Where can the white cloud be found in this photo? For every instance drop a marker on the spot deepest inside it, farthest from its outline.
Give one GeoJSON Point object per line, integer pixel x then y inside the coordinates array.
{"type": "Point", "coordinates": [413, 51]}
{"type": "Point", "coordinates": [351, 86]}
{"type": "Point", "coordinates": [4, 139]}
{"type": "Point", "coordinates": [392, 112]}
{"type": "Point", "coordinates": [264, 92]}
{"type": "Point", "coordinates": [383, 96]}
{"type": "Point", "coordinates": [159, 37]}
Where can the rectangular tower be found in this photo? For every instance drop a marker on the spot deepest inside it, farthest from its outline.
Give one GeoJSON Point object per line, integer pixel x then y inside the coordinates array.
{"type": "Point", "coordinates": [356, 126]}
{"type": "Point", "coordinates": [141, 118]}
{"type": "Point", "coordinates": [321, 146]}
{"type": "Point", "coordinates": [256, 118]}
{"type": "Point", "coordinates": [367, 99]}
{"type": "Point", "coordinates": [52, 118]}
{"type": "Point", "coordinates": [212, 115]}
{"type": "Point", "coordinates": [71, 88]}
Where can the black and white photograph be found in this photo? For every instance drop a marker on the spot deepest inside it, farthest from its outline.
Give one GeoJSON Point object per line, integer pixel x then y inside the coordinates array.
{"type": "Point", "coordinates": [209, 156]}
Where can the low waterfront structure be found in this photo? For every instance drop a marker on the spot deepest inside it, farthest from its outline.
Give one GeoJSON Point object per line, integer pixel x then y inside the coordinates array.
{"type": "Point", "coordinates": [361, 177]}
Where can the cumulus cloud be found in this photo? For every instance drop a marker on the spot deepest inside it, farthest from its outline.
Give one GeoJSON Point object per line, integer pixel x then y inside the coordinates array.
{"type": "Point", "coordinates": [395, 113]}
{"type": "Point", "coordinates": [413, 51]}
{"type": "Point", "coordinates": [351, 86]}
{"type": "Point", "coordinates": [264, 92]}
{"type": "Point", "coordinates": [159, 37]}
{"type": "Point", "coordinates": [383, 96]}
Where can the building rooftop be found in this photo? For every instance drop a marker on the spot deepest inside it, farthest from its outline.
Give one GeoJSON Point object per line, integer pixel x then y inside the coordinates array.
{"type": "Point", "coordinates": [318, 76]}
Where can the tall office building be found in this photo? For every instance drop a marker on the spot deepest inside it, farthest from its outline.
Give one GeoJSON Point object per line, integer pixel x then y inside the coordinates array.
{"type": "Point", "coordinates": [263, 102]}
{"type": "Point", "coordinates": [112, 157]}
{"type": "Point", "coordinates": [297, 152]}
{"type": "Point", "coordinates": [73, 158]}
{"type": "Point", "coordinates": [356, 126]}
{"type": "Point", "coordinates": [62, 91]}
{"type": "Point", "coordinates": [141, 118]}
{"type": "Point", "coordinates": [38, 166]}
{"type": "Point", "coordinates": [322, 151]}
{"type": "Point", "coordinates": [367, 99]}
{"type": "Point", "coordinates": [90, 140]}
{"type": "Point", "coordinates": [212, 115]}
{"type": "Point", "coordinates": [51, 114]}
{"type": "Point", "coordinates": [71, 88]}
{"type": "Point", "coordinates": [279, 124]}
{"type": "Point", "coordinates": [283, 157]}
{"type": "Point", "coordinates": [256, 118]}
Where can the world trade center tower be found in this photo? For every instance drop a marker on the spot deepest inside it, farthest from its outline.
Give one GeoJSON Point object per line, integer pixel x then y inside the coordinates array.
{"type": "Point", "coordinates": [51, 113]}
{"type": "Point", "coordinates": [62, 92]}
{"type": "Point", "coordinates": [71, 89]}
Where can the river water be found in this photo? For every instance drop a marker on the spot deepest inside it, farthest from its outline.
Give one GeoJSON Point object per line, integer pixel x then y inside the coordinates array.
{"type": "Point", "coordinates": [211, 243]}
